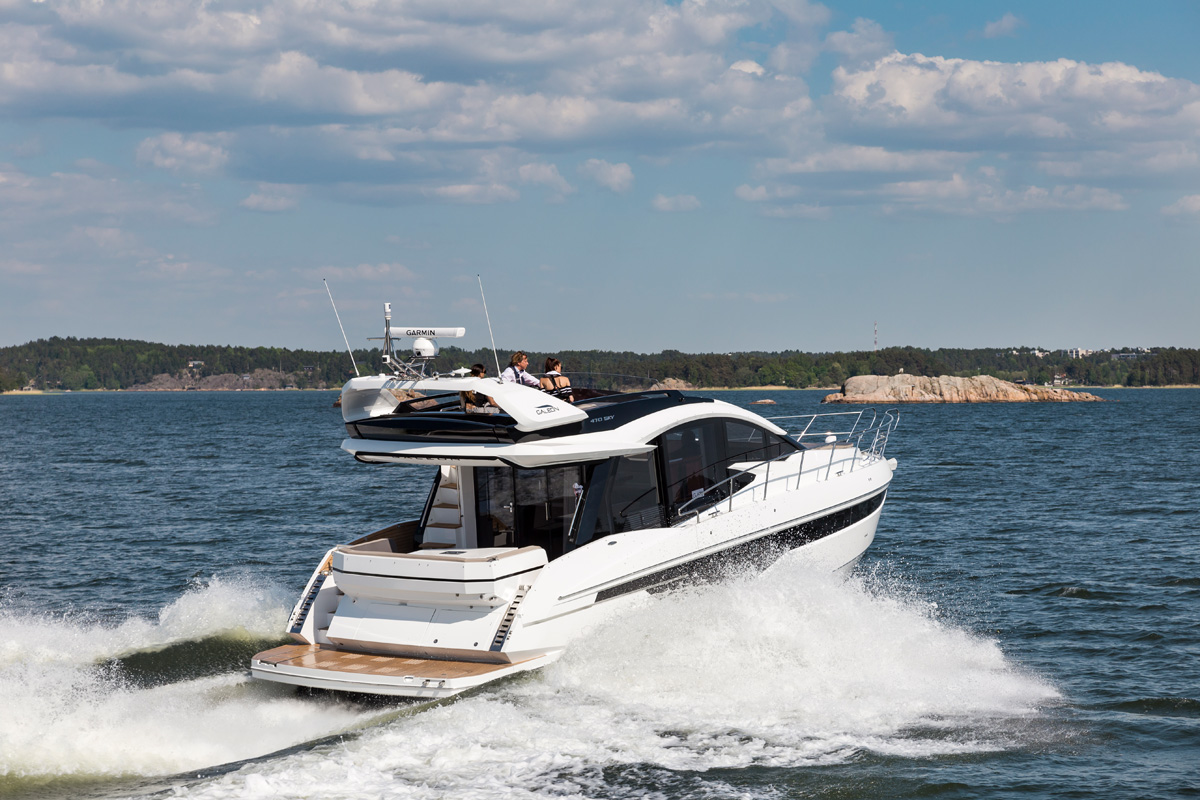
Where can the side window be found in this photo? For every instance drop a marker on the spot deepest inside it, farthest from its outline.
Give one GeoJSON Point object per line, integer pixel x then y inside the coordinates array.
{"type": "Point", "coordinates": [692, 456]}
{"type": "Point", "coordinates": [698, 456]}
{"type": "Point", "coordinates": [633, 497]}
{"type": "Point", "coordinates": [622, 495]}
{"type": "Point", "coordinates": [746, 442]}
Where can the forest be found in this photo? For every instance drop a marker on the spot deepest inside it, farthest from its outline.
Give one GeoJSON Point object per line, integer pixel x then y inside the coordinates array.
{"type": "Point", "coordinates": [112, 364]}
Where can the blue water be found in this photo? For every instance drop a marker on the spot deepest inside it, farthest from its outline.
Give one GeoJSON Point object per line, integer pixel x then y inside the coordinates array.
{"type": "Point", "coordinates": [1027, 622]}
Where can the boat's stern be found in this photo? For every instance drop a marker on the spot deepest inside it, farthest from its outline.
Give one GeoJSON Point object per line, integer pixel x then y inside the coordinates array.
{"type": "Point", "coordinates": [429, 623]}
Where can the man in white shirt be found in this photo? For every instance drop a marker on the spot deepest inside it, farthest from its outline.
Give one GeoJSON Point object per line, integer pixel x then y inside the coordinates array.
{"type": "Point", "coordinates": [515, 372]}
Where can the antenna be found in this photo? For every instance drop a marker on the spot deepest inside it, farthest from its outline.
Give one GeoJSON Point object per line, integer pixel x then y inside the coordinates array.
{"type": "Point", "coordinates": [489, 322]}
{"type": "Point", "coordinates": [877, 337]}
{"type": "Point", "coordinates": [339, 319]}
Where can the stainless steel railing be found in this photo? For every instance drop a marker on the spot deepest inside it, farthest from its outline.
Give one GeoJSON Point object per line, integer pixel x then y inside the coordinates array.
{"type": "Point", "coordinates": [860, 445]}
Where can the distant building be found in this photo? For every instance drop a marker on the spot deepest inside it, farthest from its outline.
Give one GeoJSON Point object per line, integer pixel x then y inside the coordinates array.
{"type": "Point", "coordinates": [1079, 353]}
{"type": "Point", "coordinates": [195, 364]}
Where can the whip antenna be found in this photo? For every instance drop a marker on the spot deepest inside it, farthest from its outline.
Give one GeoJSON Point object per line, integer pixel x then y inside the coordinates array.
{"type": "Point", "coordinates": [339, 319]}
{"type": "Point", "coordinates": [489, 322]}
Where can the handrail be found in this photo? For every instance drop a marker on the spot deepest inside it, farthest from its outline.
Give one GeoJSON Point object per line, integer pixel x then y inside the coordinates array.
{"type": "Point", "coordinates": [812, 418]}
{"type": "Point", "coordinates": [876, 447]}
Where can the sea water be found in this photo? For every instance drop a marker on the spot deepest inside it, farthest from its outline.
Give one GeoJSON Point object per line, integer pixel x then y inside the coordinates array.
{"type": "Point", "coordinates": [1027, 622]}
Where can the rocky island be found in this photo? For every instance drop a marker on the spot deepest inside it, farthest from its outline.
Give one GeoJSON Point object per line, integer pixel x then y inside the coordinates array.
{"type": "Point", "coordinates": [885, 389]}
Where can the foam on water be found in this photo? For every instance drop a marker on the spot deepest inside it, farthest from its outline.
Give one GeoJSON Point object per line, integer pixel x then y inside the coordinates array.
{"type": "Point", "coordinates": [220, 606]}
{"type": "Point", "coordinates": [66, 713]}
{"type": "Point", "coordinates": [791, 668]}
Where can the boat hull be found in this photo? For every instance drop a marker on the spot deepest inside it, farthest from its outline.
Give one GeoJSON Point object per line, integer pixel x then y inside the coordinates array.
{"type": "Point", "coordinates": [537, 640]}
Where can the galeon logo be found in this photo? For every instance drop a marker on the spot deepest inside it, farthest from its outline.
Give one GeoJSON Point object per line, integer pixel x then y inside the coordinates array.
{"type": "Point", "coordinates": [546, 410]}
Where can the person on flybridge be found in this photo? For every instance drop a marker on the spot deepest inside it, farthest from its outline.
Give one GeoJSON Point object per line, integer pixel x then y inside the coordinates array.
{"type": "Point", "coordinates": [478, 402]}
{"type": "Point", "coordinates": [515, 372]}
{"type": "Point", "coordinates": [555, 383]}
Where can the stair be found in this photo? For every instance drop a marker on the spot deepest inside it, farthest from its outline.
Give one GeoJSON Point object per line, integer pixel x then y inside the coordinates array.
{"type": "Point", "coordinates": [444, 528]}
{"type": "Point", "coordinates": [506, 623]}
{"type": "Point", "coordinates": [306, 604]}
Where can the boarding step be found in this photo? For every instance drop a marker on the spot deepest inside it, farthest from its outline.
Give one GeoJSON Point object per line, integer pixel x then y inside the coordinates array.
{"type": "Point", "coordinates": [506, 623]}
{"type": "Point", "coordinates": [306, 604]}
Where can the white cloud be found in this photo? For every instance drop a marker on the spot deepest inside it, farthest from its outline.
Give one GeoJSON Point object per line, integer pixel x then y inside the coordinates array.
{"type": "Point", "coordinates": [110, 239]}
{"type": "Point", "coordinates": [198, 153]}
{"type": "Point", "coordinates": [617, 177]}
{"type": "Point", "coordinates": [545, 175]}
{"type": "Point", "coordinates": [474, 102]}
{"type": "Point", "coordinates": [999, 104]}
{"type": "Point", "coordinates": [474, 193]}
{"type": "Point", "coordinates": [866, 159]}
{"type": "Point", "coordinates": [762, 194]}
{"type": "Point", "coordinates": [1184, 207]}
{"type": "Point", "coordinates": [679, 202]}
{"type": "Point", "coordinates": [27, 200]}
{"type": "Point", "coordinates": [866, 41]}
{"type": "Point", "coordinates": [748, 67]}
{"type": "Point", "coordinates": [273, 197]}
{"type": "Point", "coordinates": [1005, 26]}
{"type": "Point", "coordinates": [1137, 159]}
{"type": "Point", "coordinates": [961, 194]}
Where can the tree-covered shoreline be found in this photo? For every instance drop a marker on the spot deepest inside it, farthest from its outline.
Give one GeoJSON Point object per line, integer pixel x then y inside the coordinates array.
{"type": "Point", "coordinates": [114, 364]}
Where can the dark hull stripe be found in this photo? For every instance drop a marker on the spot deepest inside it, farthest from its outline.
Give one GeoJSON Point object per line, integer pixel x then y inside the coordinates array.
{"type": "Point", "coordinates": [756, 554]}
{"type": "Point", "coordinates": [435, 580]}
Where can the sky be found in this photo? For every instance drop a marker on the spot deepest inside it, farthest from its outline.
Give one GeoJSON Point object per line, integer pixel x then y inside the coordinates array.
{"type": "Point", "coordinates": [703, 176]}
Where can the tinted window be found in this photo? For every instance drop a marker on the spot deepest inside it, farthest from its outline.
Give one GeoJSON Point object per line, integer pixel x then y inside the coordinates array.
{"type": "Point", "coordinates": [692, 456]}
{"type": "Point", "coordinates": [494, 518]}
{"type": "Point", "coordinates": [697, 457]}
{"type": "Point", "coordinates": [633, 496]}
{"type": "Point", "coordinates": [746, 442]}
{"type": "Point", "coordinates": [622, 495]}
{"type": "Point", "coordinates": [523, 507]}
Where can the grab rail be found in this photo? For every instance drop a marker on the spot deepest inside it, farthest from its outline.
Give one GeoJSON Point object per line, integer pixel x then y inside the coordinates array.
{"type": "Point", "coordinates": [876, 434]}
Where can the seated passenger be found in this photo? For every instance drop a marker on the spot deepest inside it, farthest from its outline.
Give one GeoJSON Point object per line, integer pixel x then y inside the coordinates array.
{"type": "Point", "coordinates": [555, 383]}
{"type": "Point", "coordinates": [477, 402]}
{"type": "Point", "coordinates": [515, 372]}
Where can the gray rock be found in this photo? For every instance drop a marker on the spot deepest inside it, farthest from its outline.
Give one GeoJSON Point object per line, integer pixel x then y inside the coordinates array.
{"type": "Point", "coordinates": [885, 389]}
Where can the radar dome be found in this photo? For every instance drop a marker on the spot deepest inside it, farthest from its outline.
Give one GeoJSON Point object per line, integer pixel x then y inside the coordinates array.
{"type": "Point", "coordinates": [424, 348]}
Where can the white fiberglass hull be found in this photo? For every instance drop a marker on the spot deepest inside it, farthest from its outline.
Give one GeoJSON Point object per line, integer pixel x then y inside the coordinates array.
{"type": "Point", "coordinates": [438, 622]}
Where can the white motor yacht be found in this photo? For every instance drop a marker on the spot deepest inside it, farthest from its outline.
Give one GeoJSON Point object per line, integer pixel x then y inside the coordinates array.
{"type": "Point", "coordinates": [546, 516]}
